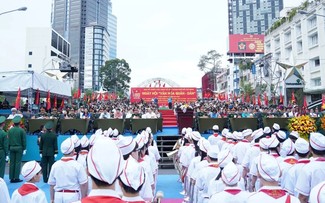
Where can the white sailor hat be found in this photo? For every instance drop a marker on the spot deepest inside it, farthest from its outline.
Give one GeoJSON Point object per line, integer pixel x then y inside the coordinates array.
{"type": "Point", "coordinates": [105, 168]}
{"type": "Point", "coordinates": [140, 140]}
{"type": "Point", "coordinates": [224, 132]}
{"type": "Point", "coordinates": [204, 145]}
{"type": "Point", "coordinates": [188, 133]}
{"type": "Point", "coordinates": [269, 142]}
{"type": "Point", "coordinates": [317, 194]}
{"type": "Point", "coordinates": [105, 133]}
{"type": "Point", "coordinates": [247, 132]}
{"type": "Point", "coordinates": [224, 157]}
{"type": "Point", "coordinates": [67, 146]}
{"type": "Point", "coordinates": [115, 133]}
{"type": "Point", "coordinates": [99, 131]}
{"type": "Point", "coordinates": [317, 141]}
{"type": "Point", "coordinates": [109, 131]}
{"type": "Point", "coordinates": [215, 127]}
{"type": "Point", "coordinates": [196, 135]}
{"type": "Point", "coordinates": [126, 145]}
{"type": "Point", "coordinates": [84, 141]}
{"type": "Point", "coordinates": [75, 140]}
{"type": "Point", "coordinates": [276, 126]}
{"type": "Point", "coordinates": [295, 134]}
{"type": "Point", "coordinates": [133, 174]}
{"type": "Point", "coordinates": [148, 129]}
{"type": "Point", "coordinates": [238, 135]}
{"type": "Point", "coordinates": [230, 174]}
{"type": "Point", "coordinates": [287, 148]}
{"type": "Point", "coordinates": [13, 109]}
{"type": "Point", "coordinates": [257, 133]}
{"type": "Point", "coordinates": [268, 168]}
{"type": "Point", "coordinates": [230, 135]}
{"type": "Point", "coordinates": [301, 146]}
{"type": "Point", "coordinates": [145, 136]}
{"type": "Point", "coordinates": [183, 131]}
{"type": "Point", "coordinates": [281, 134]}
{"type": "Point", "coordinates": [267, 130]}
{"type": "Point", "coordinates": [213, 151]}
{"type": "Point", "coordinates": [92, 139]}
{"type": "Point", "coordinates": [30, 169]}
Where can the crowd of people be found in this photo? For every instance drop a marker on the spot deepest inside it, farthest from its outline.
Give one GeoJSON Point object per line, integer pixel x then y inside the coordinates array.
{"type": "Point", "coordinates": [264, 165]}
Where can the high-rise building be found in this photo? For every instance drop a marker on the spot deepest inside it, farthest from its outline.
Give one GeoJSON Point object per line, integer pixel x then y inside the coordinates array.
{"type": "Point", "coordinates": [252, 16]}
{"type": "Point", "coordinates": [112, 30]}
{"type": "Point", "coordinates": [70, 19]}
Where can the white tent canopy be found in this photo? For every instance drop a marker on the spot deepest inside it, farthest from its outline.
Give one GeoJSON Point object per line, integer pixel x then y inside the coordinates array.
{"type": "Point", "coordinates": [10, 82]}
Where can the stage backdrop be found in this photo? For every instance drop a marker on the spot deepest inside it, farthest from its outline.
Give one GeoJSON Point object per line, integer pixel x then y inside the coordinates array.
{"type": "Point", "coordinates": [184, 94]}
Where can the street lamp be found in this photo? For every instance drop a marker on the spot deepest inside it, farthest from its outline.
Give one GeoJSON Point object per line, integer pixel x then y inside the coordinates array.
{"type": "Point", "coordinates": [308, 13]}
{"type": "Point", "coordinates": [18, 9]}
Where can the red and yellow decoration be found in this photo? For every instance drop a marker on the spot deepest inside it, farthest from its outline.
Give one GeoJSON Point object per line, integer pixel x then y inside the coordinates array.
{"type": "Point", "coordinates": [304, 125]}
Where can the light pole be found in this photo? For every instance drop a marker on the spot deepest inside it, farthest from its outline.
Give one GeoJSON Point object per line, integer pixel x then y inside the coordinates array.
{"type": "Point", "coordinates": [308, 13]}
{"type": "Point", "coordinates": [18, 9]}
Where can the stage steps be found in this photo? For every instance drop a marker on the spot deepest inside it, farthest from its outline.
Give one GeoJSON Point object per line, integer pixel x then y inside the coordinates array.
{"type": "Point", "coordinates": [169, 118]}
{"type": "Point", "coordinates": [165, 145]}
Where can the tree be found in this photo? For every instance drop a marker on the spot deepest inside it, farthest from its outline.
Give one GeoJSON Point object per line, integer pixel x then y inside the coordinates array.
{"type": "Point", "coordinates": [247, 88]}
{"type": "Point", "coordinates": [210, 62]}
{"type": "Point", "coordinates": [115, 76]}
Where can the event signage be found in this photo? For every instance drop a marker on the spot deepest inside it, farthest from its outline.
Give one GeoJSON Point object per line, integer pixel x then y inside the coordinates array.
{"type": "Point", "coordinates": [180, 94]}
{"type": "Point", "coordinates": [246, 43]}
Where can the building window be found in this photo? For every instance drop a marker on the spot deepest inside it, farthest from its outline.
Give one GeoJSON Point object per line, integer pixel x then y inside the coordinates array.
{"type": "Point", "coordinates": [316, 81]}
{"type": "Point", "coordinates": [288, 52]}
{"type": "Point", "coordinates": [298, 30]}
{"type": "Point", "coordinates": [277, 43]}
{"type": "Point", "coordinates": [30, 66]}
{"type": "Point", "coordinates": [30, 53]}
{"type": "Point", "coordinates": [287, 37]}
{"type": "Point", "coordinates": [313, 40]}
{"type": "Point", "coordinates": [314, 63]}
{"type": "Point", "coordinates": [312, 22]}
{"type": "Point", "coordinates": [299, 46]}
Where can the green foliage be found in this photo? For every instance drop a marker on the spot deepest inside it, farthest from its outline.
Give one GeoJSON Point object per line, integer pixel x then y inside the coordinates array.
{"type": "Point", "coordinates": [210, 62]}
{"type": "Point", "coordinates": [88, 92]}
{"type": "Point", "coordinates": [115, 76]}
{"type": "Point", "coordinates": [245, 64]}
{"type": "Point", "coordinates": [247, 88]}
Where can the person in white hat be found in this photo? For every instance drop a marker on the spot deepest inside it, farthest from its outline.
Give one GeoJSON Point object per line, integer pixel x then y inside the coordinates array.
{"type": "Point", "coordinates": [232, 193]}
{"type": "Point", "coordinates": [206, 174]}
{"type": "Point", "coordinates": [131, 181]}
{"type": "Point", "coordinates": [242, 146]}
{"type": "Point", "coordinates": [275, 127]}
{"type": "Point", "coordinates": [317, 194]}
{"type": "Point", "coordinates": [77, 147]}
{"type": "Point", "coordinates": [289, 178]}
{"type": "Point", "coordinates": [281, 135]}
{"type": "Point", "coordinates": [269, 174]}
{"type": "Point", "coordinates": [104, 171]}
{"type": "Point", "coordinates": [83, 153]}
{"type": "Point", "coordinates": [223, 140]}
{"type": "Point", "coordinates": [314, 172]}
{"type": "Point", "coordinates": [115, 134]}
{"type": "Point", "coordinates": [215, 137]}
{"type": "Point", "coordinates": [68, 178]}
{"type": "Point", "coordinates": [294, 135]}
{"type": "Point", "coordinates": [14, 114]}
{"type": "Point", "coordinates": [29, 192]}
{"type": "Point", "coordinates": [287, 152]}
{"type": "Point", "coordinates": [4, 197]}
{"type": "Point", "coordinates": [267, 131]}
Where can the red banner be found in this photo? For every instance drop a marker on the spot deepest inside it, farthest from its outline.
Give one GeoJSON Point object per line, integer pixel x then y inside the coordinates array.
{"type": "Point", "coordinates": [179, 94]}
{"type": "Point", "coordinates": [246, 43]}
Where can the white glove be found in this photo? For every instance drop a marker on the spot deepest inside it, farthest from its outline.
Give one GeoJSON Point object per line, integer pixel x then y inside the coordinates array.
{"type": "Point", "coordinates": [7, 158]}
{"type": "Point", "coordinates": [55, 155]}
{"type": "Point", "coordinates": [40, 155]}
{"type": "Point", "coordinates": [24, 152]}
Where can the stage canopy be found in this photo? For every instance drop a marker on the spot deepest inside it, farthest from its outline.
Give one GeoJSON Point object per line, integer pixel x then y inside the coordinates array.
{"type": "Point", "coordinates": [29, 80]}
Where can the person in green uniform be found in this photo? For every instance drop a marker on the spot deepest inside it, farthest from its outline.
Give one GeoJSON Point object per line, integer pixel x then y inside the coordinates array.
{"type": "Point", "coordinates": [3, 147]}
{"type": "Point", "coordinates": [48, 150]}
{"type": "Point", "coordinates": [17, 148]}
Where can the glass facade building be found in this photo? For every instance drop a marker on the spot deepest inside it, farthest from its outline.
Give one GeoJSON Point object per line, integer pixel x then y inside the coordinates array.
{"type": "Point", "coordinates": [112, 30]}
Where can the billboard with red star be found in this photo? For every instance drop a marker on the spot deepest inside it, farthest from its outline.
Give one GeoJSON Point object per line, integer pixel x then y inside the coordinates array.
{"type": "Point", "coordinates": [246, 44]}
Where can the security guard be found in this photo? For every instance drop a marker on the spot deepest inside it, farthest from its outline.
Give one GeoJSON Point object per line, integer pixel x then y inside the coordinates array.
{"type": "Point", "coordinates": [48, 150]}
{"type": "Point", "coordinates": [3, 147]}
{"type": "Point", "coordinates": [17, 147]}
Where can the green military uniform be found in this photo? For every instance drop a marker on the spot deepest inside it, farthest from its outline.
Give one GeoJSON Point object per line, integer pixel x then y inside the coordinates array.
{"type": "Point", "coordinates": [17, 144]}
{"type": "Point", "coordinates": [3, 147]}
{"type": "Point", "coordinates": [48, 148]}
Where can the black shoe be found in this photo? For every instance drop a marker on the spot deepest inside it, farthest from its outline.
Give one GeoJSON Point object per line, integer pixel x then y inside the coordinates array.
{"type": "Point", "coordinates": [16, 181]}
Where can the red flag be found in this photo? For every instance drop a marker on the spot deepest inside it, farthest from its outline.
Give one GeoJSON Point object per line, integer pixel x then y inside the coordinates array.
{"type": "Point", "coordinates": [75, 95]}
{"type": "Point", "coordinates": [89, 99]}
{"type": "Point", "coordinates": [55, 102]}
{"type": "Point", "coordinates": [305, 102]}
{"type": "Point", "coordinates": [37, 97]}
{"type": "Point", "coordinates": [48, 100]}
{"type": "Point", "coordinates": [79, 93]}
{"type": "Point", "coordinates": [254, 100]}
{"type": "Point", "coordinates": [247, 99]}
{"type": "Point", "coordinates": [93, 96]}
{"type": "Point", "coordinates": [227, 99]}
{"type": "Point", "coordinates": [323, 102]}
{"type": "Point", "coordinates": [62, 104]}
{"type": "Point", "coordinates": [100, 97]}
{"type": "Point", "coordinates": [281, 98]}
{"type": "Point", "coordinates": [266, 100]}
{"type": "Point", "coordinates": [259, 100]}
{"type": "Point", "coordinates": [242, 98]}
{"type": "Point", "coordinates": [17, 104]}
{"type": "Point", "coordinates": [85, 97]}
{"type": "Point", "coordinates": [106, 96]}
{"type": "Point", "coordinates": [293, 99]}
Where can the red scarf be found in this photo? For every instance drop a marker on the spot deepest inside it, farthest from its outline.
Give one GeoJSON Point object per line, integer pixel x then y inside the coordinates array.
{"type": "Point", "coordinates": [291, 161]}
{"type": "Point", "coordinates": [27, 189]}
{"type": "Point", "coordinates": [276, 194]}
{"type": "Point", "coordinates": [233, 191]}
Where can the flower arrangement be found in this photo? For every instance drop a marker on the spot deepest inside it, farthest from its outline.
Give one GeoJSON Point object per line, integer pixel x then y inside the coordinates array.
{"type": "Point", "coordinates": [304, 125]}
{"type": "Point", "coordinates": [9, 124]}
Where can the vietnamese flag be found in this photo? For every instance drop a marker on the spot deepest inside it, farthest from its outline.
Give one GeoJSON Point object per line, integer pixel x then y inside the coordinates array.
{"type": "Point", "coordinates": [100, 97]}
{"type": "Point", "coordinates": [266, 100]}
{"type": "Point", "coordinates": [93, 96]}
{"type": "Point", "coordinates": [79, 93]}
{"type": "Point", "coordinates": [305, 102]}
{"type": "Point", "coordinates": [17, 104]}
{"type": "Point", "coordinates": [37, 97]}
{"type": "Point", "coordinates": [48, 100]}
{"type": "Point", "coordinates": [259, 100]}
{"type": "Point", "coordinates": [293, 99]}
{"type": "Point", "coordinates": [247, 98]}
{"type": "Point", "coordinates": [62, 104]}
{"type": "Point", "coordinates": [55, 102]}
{"type": "Point", "coordinates": [106, 97]}
{"type": "Point", "coordinates": [254, 100]}
{"type": "Point", "coordinates": [281, 98]}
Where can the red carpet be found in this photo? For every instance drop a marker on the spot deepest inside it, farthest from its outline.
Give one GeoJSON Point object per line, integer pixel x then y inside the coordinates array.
{"type": "Point", "coordinates": [169, 119]}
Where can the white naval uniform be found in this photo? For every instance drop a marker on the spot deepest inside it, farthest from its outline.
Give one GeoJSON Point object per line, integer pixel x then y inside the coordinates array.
{"type": "Point", "coordinates": [272, 194]}
{"type": "Point", "coordinates": [311, 174]}
{"type": "Point", "coordinates": [202, 164]}
{"type": "Point", "coordinates": [239, 150]}
{"type": "Point", "coordinates": [82, 158]}
{"type": "Point", "coordinates": [67, 174]}
{"type": "Point", "coordinates": [28, 192]}
{"type": "Point", "coordinates": [102, 195]}
{"type": "Point", "coordinates": [230, 195]}
{"type": "Point", "coordinates": [214, 138]}
{"type": "Point", "coordinates": [4, 197]}
{"type": "Point", "coordinates": [289, 178]}
{"type": "Point", "coordinates": [146, 190]}
{"type": "Point", "coordinates": [136, 199]}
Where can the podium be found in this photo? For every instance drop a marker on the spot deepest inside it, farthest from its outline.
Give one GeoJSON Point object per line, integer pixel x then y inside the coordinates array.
{"type": "Point", "coordinates": [184, 119]}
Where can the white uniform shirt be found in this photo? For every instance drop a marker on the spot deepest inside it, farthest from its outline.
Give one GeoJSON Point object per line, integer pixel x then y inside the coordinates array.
{"type": "Point", "coordinates": [11, 116]}
{"type": "Point", "coordinates": [82, 158]}
{"type": "Point", "coordinates": [311, 174]}
{"type": "Point", "coordinates": [187, 154]}
{"type": "Point", "coordinates": [28, 192]}
{"type": "Point", "coordinates": [214, 138]}
{"type": "Point", "coordinates": [261, 196]}
{"type": "Point", "coordinates": [240, 149]}
{"type": "Point", "coordinates": [230, 195]}
{"type": "Point", "coordinates": [146, 190]}
{"type": "Point", "coordinates": [250, 155]}
{"type": "Point", "coordinates": [4, 197]}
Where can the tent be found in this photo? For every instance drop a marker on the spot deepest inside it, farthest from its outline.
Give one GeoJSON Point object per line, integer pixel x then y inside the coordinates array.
{"type": "Point", "coordinates": [29, 82]}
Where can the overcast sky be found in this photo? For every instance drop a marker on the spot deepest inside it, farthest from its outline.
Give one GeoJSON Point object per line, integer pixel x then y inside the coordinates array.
{"type": "Point", "coordinates": [158, 38]}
